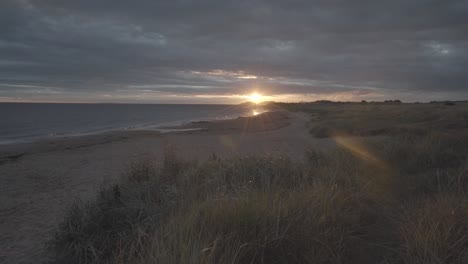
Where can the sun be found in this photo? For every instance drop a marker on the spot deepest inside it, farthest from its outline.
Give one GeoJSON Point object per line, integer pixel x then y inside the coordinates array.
{"type": "Point", "coordinates": [255, 97]}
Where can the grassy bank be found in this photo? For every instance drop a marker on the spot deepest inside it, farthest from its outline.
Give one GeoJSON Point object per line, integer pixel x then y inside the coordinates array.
{"type": "Point", "coordinates": [372, 119]}
{"type": "Point", "coordinates": [399, 199]}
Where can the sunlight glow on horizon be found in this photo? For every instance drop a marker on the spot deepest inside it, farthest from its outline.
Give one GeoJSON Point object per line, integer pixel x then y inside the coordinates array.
{"type": "Point", "coordinates": [255, 97]}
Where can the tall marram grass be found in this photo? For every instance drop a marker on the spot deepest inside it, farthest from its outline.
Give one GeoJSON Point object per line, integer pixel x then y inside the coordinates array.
{"type": "Point", "coordinates": [435, 230]}
{"type": "Point", "coordinates": [330, 207]}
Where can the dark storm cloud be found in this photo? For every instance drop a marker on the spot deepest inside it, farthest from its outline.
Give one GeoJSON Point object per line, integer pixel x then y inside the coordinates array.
{"type": "Point", "coordinates": [78, 48]}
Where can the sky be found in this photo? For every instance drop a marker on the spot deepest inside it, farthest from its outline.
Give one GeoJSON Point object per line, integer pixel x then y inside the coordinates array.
{"type": "Point", "coordinates": [212, 51]}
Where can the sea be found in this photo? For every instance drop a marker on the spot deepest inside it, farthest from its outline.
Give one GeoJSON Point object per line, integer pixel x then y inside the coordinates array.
{"type": "Point", "coordinates": [25, 122]}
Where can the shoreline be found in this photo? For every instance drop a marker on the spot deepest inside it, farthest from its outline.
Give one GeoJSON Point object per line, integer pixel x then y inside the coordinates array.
{"type": "Point", "coordinates": [142, 127]}
{"type": "Point", "coordinates": [15, 150]}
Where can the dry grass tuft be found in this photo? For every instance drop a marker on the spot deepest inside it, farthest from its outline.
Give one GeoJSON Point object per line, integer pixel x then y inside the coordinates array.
{"type": "Point", "coordinates": [435, 230]}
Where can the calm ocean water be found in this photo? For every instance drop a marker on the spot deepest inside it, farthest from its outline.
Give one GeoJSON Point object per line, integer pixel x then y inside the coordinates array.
{"type": "Point", "coordinates": [28, 121]}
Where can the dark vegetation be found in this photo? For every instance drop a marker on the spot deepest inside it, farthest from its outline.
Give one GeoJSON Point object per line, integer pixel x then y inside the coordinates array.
{"type": "Point", "coordinates": [397, 198]}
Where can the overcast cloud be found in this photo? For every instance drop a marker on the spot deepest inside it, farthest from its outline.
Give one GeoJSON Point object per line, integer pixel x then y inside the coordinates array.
{"type": "Point", "coordinates": [203, 51]}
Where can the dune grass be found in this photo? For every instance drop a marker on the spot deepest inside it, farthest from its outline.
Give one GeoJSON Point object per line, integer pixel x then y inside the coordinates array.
{"type": "Point", "coordinates": [435, 230]}
{"type": "Point", "coordinates": [371, 119]}
{"type": "Point", "coordinates": [402, 199]}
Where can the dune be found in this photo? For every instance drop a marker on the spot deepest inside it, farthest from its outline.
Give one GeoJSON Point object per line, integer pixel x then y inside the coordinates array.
{"type": "Point", "coordinates": [40, 180]}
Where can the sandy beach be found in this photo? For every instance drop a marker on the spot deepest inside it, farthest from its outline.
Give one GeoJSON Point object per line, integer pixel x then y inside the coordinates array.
{"type": "Point", "coordinates": [40, 180]}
